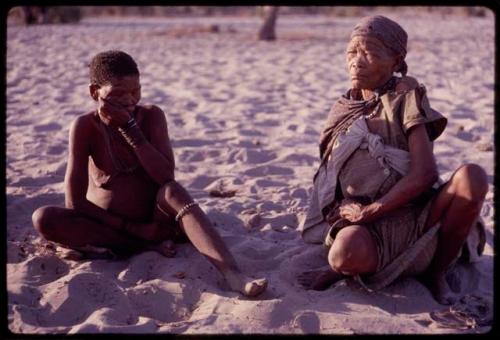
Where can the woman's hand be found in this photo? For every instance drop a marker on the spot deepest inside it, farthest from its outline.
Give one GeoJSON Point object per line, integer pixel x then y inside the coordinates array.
{"type": "Point", "coordinates": [112, 113]}
{"type": "Point", "coordinates": [356, 212]}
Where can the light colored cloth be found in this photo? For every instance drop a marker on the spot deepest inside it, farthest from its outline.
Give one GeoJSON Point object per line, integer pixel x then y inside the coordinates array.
{"type": "Point", "coordinates": [356, 136]}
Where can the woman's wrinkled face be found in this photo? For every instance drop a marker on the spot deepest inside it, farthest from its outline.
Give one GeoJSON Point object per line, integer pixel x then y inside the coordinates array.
{"type": "Point", "coordinates": [370, 62]}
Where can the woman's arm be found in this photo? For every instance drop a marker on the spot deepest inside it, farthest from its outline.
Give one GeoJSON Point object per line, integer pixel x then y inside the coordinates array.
{"type": "Point", "coordinates": [422, 175]}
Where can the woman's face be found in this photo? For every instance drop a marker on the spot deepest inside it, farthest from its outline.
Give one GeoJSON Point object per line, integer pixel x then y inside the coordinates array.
{"type": "Point", "coordinates": [370, 62]}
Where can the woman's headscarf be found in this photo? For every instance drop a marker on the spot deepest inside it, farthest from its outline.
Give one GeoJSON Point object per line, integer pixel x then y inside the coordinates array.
{"type": "Point", "coordinates": [390, 33]}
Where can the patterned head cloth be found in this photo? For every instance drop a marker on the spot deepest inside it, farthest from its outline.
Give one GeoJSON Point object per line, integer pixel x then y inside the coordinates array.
{"type": "Point", "coordinates": [388, 32]}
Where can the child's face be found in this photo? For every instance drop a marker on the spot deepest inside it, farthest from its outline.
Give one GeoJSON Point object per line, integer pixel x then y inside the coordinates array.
{"type": "Point", "coordinates": [125, 92]}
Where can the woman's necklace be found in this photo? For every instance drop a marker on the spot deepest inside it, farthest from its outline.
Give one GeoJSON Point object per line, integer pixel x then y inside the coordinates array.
{"type": "Point", "coordinates": [373, 114]}
{"type": "Point", "coordinates": [379, 92]}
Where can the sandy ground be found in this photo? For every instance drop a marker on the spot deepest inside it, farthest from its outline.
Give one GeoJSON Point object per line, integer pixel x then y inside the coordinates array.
{"type": "Point", "coordinates": [244, 113]}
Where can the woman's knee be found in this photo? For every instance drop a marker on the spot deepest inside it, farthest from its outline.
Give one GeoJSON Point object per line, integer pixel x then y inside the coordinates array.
{"type": "Point", "coordinates": [352, 253]}
{"type": "Point", "coordinates": [472, 182]}
{"type": "Point", "coordinates": [340, 257]}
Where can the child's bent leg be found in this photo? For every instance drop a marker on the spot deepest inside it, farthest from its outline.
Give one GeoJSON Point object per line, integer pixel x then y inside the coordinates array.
{"type": "Point", "coordinates": [70, 228]}
{"type": "Point", "coordinates": [172, 197]}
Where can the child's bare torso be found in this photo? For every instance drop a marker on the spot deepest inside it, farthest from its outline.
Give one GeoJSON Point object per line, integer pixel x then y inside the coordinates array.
{"type": "Point", "coordinates": [117, 182]}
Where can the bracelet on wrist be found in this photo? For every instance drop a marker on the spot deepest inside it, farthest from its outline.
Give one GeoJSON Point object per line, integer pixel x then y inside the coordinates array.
{"type": "Point", "coordinates": [131, 122]}
{"type": "Point", "coordinates": [133, 135]}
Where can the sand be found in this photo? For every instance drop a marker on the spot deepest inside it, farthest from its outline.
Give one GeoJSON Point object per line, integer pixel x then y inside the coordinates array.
{"type": "Point", "coordinates": [244, 116]}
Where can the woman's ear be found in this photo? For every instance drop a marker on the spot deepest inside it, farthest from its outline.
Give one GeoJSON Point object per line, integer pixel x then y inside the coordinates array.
{"type": "Point", "coordinates": [397, 63]}
{"type": "Point", "coordinates": [93, 90]}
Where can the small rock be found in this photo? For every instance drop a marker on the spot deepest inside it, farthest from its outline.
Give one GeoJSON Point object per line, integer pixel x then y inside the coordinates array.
{"type": "Point", "coordinates": [252, 221]}
{"type": "Point", "coordinates": [223, 187]}
{"type": "Point", "coordinates": [484, 146]}
{"type": "Point", "coordinates": [180, 275]}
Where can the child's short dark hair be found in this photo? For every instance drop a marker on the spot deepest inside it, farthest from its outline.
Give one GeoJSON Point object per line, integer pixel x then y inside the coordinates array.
{"type": "Point", "coordinates": [111, 64]}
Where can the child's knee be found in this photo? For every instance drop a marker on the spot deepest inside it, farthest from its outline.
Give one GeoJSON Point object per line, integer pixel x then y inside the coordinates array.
{"type": "Point", "coordinates": [172, 196]}
{"type": "Point", "coordinates": [168, 191]}
{"type": "Point", "coordinates": [43, 219]}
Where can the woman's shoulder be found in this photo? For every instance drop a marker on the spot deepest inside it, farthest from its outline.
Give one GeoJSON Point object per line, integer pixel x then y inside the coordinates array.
{"type": "Point", "coordinates": [410, 103]}
{"type": "Point", "coordinates": [407, 91]}
{"type": "Point", "coordinates": [406, 83]}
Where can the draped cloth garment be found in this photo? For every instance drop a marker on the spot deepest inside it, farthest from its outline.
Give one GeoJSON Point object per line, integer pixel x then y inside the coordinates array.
{"type": "Point", "coordinates": [363, 163]}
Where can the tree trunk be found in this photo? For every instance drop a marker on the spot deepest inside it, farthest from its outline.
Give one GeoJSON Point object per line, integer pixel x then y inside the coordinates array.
{"type": "Point", "coordinates": [267, 30]}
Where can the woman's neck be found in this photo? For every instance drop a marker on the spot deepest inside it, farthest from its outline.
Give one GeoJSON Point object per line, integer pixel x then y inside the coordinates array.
{"type": "Point", "coordinates": [366, 94]}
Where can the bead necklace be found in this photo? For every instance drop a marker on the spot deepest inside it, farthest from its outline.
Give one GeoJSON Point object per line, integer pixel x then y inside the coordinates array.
{"type": "Point", "coordinates": [379, 92]}
{"type": "Point", "coordinates": [119, 164]}
{"type": "Point", "coordinates": [371, 115]}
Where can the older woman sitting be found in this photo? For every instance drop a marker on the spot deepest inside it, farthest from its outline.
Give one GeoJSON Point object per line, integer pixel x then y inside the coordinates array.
{"type": "Point", "coordinates": [377, 200]}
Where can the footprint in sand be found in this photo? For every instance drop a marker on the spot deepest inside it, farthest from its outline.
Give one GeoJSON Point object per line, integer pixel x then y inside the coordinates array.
{"type": "Point", "coordinates": [267, 170]}
{"type": "Point", "coordinates": [40, 270]}
{"type": "Point", "coordinates": [300, 159]}
{"type": "Point", "coordinates": [56, 150]}
{"type": "Point", "coordinates": [47, 127]}
{"type": "Point", "coordinates": [143, 267]}
{"type": "Point", "coordinates": [24, 295]}
{"type": "Point", "coordinates": [308, 322]}
{"type": "Point", "coordinates": [254, 156]}
{"type": "Point", "coordinates": [77, 297]}
{"type": "Point", "coordinates": [163, 301]}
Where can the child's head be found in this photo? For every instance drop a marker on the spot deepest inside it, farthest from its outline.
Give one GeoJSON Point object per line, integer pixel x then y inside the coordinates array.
{"type": "Point", "coordinates": [114, 75]}
{"type": "Point", "coordinates": [110, 65]}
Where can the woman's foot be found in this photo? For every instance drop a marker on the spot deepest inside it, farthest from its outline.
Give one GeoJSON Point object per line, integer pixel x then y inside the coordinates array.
{"type": "Point", "coordinates": [244, 284]}
{"type": "Point", "coordinates": [319, 279]}
{"type": "Point", "coordinates": [440, 289]}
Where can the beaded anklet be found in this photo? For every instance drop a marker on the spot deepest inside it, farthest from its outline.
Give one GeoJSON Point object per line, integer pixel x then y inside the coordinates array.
{"type": "Point", "coordinates": [185, 209]}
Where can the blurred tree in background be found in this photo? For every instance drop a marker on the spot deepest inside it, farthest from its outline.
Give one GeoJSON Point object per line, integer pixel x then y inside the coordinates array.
{"type": "Point", "coordinates": [72, 14]}
{"type": "Point", "coordinates": [267, 31]}
{"type": "Point", "coordinates": [30, 15]}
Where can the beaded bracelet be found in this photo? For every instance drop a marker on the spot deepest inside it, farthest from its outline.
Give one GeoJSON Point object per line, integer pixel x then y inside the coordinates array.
{"type": "Point", "coordinates": [131, 122]}
{"type": "Point", "coordinates": [133, 135]}
{"type": "Point", "coordinates": [185, 209]}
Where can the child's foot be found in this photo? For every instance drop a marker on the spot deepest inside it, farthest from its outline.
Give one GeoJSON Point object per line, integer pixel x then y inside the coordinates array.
{"type": "Point", "coordinates": [245, 285]}
{"type": "Point", "coordinates": [70, 254]}
{"type": "Point", "coordinates": [86, 253]}
{"type": "Point", "coordinates": [318, 279]}
{"type": "Point", "coordinates": [166, 248]}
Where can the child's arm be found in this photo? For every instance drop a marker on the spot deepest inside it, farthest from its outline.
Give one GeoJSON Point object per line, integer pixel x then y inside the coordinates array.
{"type": "Point", "coordinates": [156, 155]}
